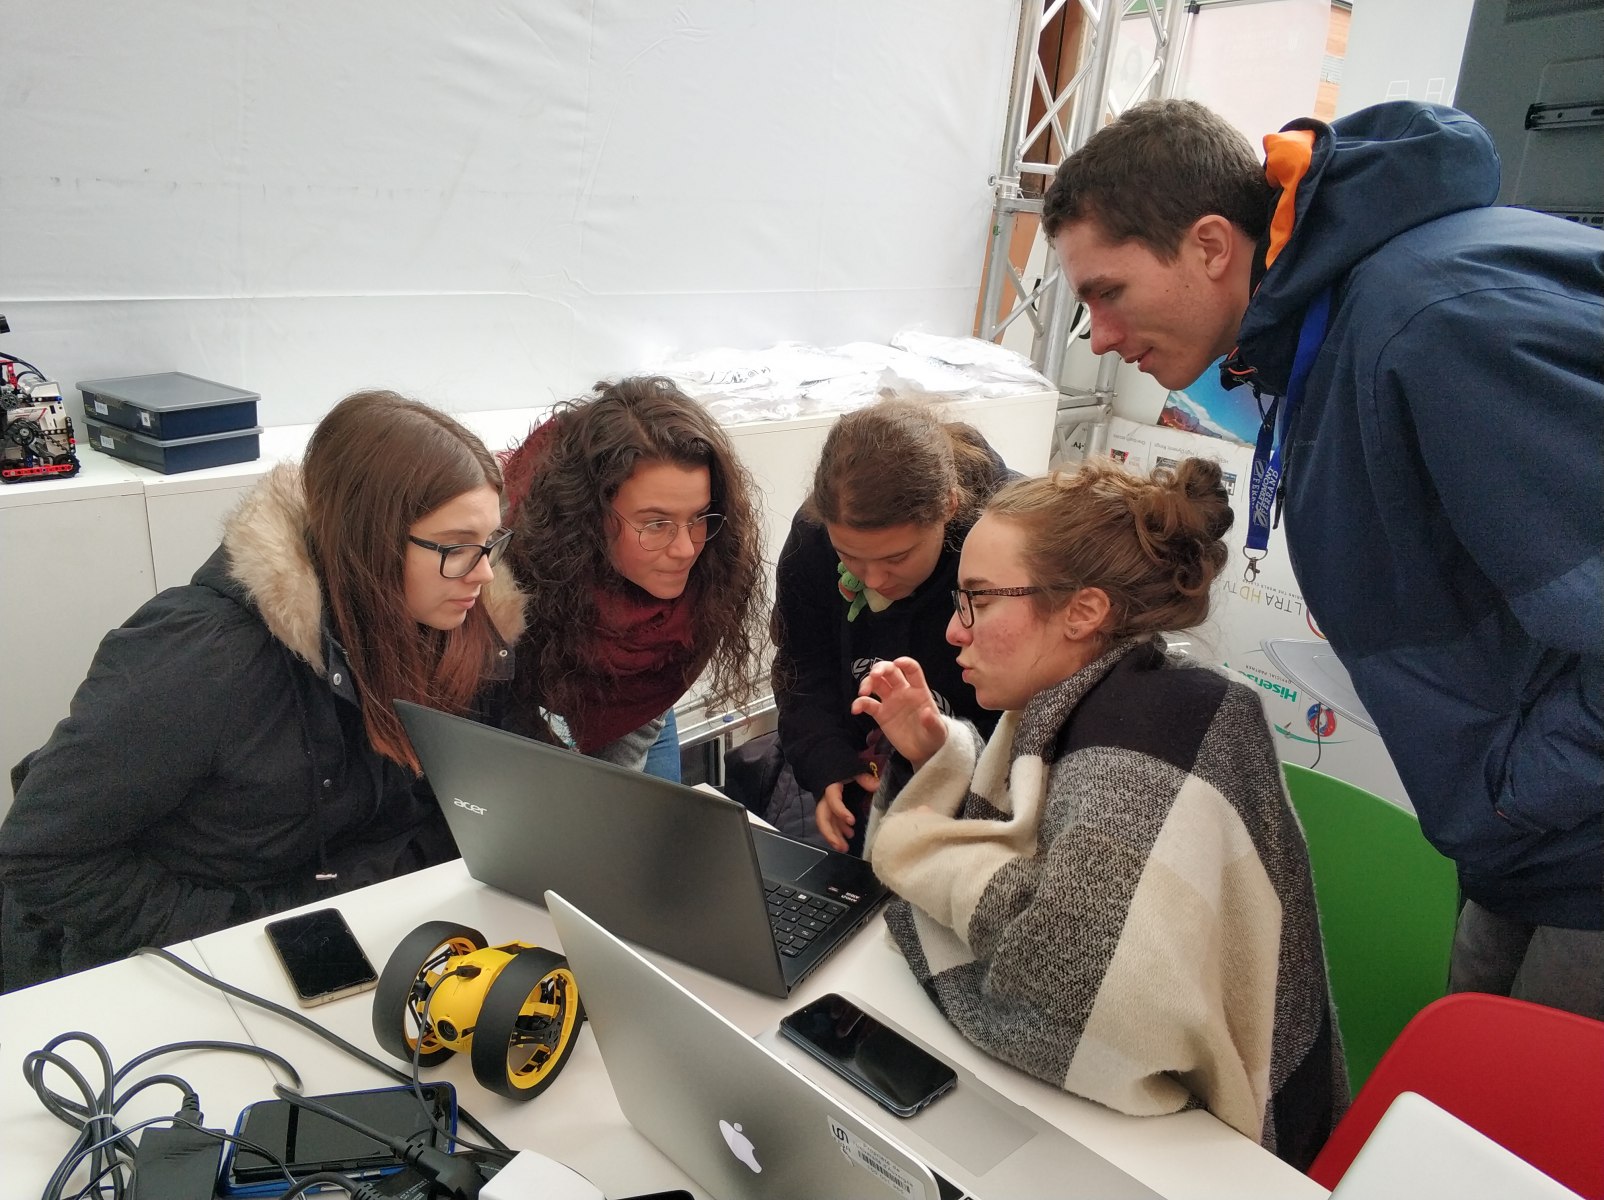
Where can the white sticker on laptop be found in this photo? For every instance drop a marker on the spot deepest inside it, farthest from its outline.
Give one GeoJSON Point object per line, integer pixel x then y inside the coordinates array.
{"type": "Point", "coordinates": [872, 1161]}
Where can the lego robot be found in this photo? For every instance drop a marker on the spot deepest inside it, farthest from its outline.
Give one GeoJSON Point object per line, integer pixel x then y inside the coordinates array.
{"type": "Point", "coordinates": [36, 437]}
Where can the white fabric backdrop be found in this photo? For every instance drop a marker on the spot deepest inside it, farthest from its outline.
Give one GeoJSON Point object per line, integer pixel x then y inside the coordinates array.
{"type": "Point", "coordinates": [485, 204]}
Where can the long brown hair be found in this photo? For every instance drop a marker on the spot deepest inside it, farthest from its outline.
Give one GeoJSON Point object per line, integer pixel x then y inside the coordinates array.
{"type": "Point", "coordinates": [896, 462]}
{"type": "Point", "coordinates": [567, 474]}
{"type": "Point", "coordinates": [1153, 542]}
{"type": "Point", "coordinates": [376, 464]}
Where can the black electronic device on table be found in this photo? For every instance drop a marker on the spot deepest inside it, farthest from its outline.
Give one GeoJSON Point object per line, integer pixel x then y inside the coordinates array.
{"type": "Point", "coordinates": [321, 956]}
{"type": "Point", "coordinates": [899, 1076]}
{"type": "Point", "coordinates": [677, 869]}
{"type": "Point", "coordinates": [307, 1141]}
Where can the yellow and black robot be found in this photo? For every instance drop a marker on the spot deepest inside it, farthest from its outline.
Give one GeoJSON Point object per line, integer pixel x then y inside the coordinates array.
{"type": "Point", "coordinates": [513, 1008]}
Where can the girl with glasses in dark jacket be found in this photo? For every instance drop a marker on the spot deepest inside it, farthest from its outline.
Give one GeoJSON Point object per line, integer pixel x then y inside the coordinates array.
{"type": "Point", "coordinates": [233, 751]}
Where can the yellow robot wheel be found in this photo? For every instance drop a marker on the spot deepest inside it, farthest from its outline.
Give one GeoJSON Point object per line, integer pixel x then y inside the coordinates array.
{"type": "Point", "coordinates": [405, 985]}
{"type": "Point", "coordinates": [527, 1025]}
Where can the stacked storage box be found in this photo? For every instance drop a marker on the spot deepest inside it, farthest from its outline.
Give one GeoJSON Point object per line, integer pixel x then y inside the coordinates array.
{"type": "Point", "coordinates": [171, 422]}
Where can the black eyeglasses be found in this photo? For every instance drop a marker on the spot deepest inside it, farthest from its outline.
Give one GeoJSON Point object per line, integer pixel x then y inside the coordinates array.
{"type": "Point", "coordinates": [963, 600]}
{"type": "Point", "coordinates": [460, 558]}
{"type": "Point", "coordinates": [660, 535]}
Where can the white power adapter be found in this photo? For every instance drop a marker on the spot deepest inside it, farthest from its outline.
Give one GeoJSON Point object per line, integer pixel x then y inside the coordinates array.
{"type": "Point", "coordinates": [532, 1176]}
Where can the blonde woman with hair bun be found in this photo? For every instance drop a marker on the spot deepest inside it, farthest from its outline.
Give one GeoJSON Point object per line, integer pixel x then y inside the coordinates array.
{"type": "Point", "coordinates": [1111, 893]}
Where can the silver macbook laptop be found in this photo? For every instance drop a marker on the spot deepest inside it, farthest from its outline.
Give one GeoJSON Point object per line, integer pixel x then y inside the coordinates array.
{"type": "Point", "coordinates": [1417, 1151]}
{"type": "Point", "coordinates": [674, 868]}
{"type": "Point", "coordinates": [747, 1125]}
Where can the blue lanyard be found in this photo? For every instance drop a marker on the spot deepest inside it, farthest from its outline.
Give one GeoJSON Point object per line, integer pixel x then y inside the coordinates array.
{"type": "Point", "coordinates": [1264, 490]}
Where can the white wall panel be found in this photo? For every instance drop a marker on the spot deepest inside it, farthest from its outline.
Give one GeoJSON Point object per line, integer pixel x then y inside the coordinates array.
{"type": "Point", "coordinates": [1404, 50]}
{"type": "Point", "coordinates": [485, 203]}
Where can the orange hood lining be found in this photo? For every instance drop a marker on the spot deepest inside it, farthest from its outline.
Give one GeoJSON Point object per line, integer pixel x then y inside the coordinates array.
{"type": "Point", "coordinates": [1286, 161]}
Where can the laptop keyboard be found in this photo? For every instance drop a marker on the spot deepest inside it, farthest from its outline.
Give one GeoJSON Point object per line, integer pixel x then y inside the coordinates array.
{"type": "Point", "coordinates": [797, 917]}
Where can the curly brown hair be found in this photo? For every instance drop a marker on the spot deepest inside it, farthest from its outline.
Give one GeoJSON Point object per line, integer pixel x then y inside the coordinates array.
{"type": "Point", "coordinates": [563, 481]}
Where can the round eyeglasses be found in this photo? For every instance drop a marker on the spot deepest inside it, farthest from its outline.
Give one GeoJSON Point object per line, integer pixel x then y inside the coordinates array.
{"type": "Point", "coordinates": [963, 600]}
{"type": "Point", "coordinates": [660, 535]}
{"type": "Point", "coordinates": [460, 558]}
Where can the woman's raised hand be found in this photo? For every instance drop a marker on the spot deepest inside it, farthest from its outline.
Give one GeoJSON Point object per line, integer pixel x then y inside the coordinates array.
{"type": "Point", "coordinates": [896, 695]}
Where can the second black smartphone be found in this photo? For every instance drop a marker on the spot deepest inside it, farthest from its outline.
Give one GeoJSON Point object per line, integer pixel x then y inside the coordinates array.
{"type": "Point", "coordinates": [900, 1077]}
{"type": "Point", "coordinates": [307, 1141]}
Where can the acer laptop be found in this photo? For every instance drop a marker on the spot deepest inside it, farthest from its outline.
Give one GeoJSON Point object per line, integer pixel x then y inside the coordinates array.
{"type": "Point", "coordinates": [747, 1125]}
{"type": "Point", "coordinates": [677, 869]}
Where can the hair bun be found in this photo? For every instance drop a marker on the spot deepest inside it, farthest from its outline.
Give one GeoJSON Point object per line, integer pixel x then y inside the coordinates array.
{"type": "Point", "coordinates": [1203, 484]}
{"type": "Point", "coordinates": [1182, 518]}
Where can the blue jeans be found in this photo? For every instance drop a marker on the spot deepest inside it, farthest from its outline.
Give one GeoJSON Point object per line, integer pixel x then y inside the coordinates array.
{"type": "Point", "coordinates": [662, 759]}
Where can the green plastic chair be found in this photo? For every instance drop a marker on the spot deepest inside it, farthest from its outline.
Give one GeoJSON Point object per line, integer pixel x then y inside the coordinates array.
{"type": "Point", "coordinates": [1388, 903]}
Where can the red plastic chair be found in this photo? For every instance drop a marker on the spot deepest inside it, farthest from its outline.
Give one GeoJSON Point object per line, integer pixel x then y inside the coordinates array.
{"type": "Point", "coordinates": [1529, 1077]}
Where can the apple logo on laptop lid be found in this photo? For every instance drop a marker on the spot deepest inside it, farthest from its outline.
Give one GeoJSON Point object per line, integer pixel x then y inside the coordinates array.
{"type": "Point", "coordinates": [740, 1145]}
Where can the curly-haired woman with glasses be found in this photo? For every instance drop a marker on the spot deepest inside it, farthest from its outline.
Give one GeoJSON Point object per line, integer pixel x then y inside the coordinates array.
{"type": "Point", "coordinates": [638, 544]}
{"type": "Point", "coordinates": [1112, 893]}
{"type": "Point", "coordinates": [233, 751]}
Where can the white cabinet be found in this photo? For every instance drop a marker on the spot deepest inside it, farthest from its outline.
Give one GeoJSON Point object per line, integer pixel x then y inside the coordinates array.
{"type": "Point", "coordinates": [186, 511]}
{"type": "Point", "coordinates": [185, 528]}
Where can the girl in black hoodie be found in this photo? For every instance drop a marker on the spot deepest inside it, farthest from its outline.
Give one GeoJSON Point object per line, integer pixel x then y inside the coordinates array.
{"type": "Point", "coordinates": [866, 574]}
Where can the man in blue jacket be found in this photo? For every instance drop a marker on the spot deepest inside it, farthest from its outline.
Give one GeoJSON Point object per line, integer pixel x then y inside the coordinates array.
{"type": "Point", "coordinates": [1434, 367]}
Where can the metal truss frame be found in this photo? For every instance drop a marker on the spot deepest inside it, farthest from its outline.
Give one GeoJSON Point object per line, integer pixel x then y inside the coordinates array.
{"type": "Point", "coordinates": [1036, 150]}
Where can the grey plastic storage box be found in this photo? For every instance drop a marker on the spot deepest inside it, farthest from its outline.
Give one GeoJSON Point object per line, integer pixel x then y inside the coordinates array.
{"type": "Point", "coordinates": [169, 405]}
{"type": "Point", "coordinates": [172, 455]}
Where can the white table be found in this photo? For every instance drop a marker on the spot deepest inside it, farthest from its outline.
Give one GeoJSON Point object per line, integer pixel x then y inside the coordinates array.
{"type": "Point", "coordinates": [577, 1120]}
{"type": "Point", "coordinates": [131, 1007]}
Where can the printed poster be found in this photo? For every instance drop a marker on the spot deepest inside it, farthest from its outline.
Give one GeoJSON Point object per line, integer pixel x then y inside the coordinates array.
{"type": "Point", "coordinates": [1204, 407]}
{"type": "Point", "coordinates": [1271, 606]}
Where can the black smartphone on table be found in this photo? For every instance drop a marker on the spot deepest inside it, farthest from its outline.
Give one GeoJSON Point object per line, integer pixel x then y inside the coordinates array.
{"type": "Point", "coordinates": [307, 1141]}
{"type": "Point", "coordinates": [899, 1076]}
{"type": "Point", "coordinates": [321, 956]}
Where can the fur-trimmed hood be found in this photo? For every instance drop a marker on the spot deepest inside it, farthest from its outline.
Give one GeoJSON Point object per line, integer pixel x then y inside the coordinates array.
{"type": "Point", "coordinates": [264, 540]}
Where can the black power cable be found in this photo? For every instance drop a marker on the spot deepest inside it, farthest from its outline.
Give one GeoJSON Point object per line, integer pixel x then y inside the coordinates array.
{"type": "Point", "coordinates": [114, 1159]}
{"type": "Point", "coordinates": [422, 1025]}
{"type": "Point", "coordinates": [101, 1142]}
{"type": "Point", "coordinates": [22, 362]}
{"type": "Point", "coordinates": [357, 1191]}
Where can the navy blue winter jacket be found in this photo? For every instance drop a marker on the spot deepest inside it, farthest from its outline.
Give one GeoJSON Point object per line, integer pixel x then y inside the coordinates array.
{"type": "Point", "coordinates": [1444, 494]}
